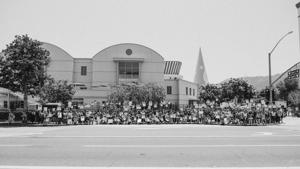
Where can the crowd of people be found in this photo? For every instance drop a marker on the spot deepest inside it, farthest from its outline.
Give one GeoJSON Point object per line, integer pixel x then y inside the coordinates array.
{"type": "Point", "coordinates": [238, 115]}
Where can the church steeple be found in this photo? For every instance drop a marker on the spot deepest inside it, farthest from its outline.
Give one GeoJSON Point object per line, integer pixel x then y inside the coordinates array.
{"type": "Point", "coordinates": [200, 73]}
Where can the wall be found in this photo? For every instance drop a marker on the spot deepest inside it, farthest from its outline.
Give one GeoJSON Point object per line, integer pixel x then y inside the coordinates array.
{"type": "Point", "coordinates": [105, 68]}
{"type": "Point", "coordinates": [61, 65]}
{"type": "Point", "coordinates": [174, 97]}
{"type": "Point", "coordinates": [183, 98]}
{"type": "Point", "coordinates": [77, 77]}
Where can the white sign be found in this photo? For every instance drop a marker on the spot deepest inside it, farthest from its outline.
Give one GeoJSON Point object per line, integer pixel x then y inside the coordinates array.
{"type": "Point", "coordinates": [69, 104]}
{"type": "Point", "coordinates": [39, 107]}
{"type": "Point", "coordinates": [281, 103]}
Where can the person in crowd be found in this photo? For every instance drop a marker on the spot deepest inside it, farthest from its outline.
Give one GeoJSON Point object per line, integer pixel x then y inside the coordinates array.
{"type": "Point", "coordinates": [208, 114]}
{"type": "Point", "coordinates": [11, 118]}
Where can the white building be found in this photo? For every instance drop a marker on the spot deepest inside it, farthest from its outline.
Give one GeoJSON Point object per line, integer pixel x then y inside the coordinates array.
{"type": "Point", "coordinates": [121, 63]}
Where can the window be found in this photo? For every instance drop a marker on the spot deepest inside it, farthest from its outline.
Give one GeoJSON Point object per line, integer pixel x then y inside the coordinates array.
{"type": "Point", "coordinates": [193, 92]}
{"type": "Point", "coordinates": [187, 91]}
{"type": "Point", "coordinates": [190, 91]}
{"type": "Point", "coordinates": [21, 104]}
{"type": "Point", "coordinates": [83, 88]}
{"type": "Point", "coordinates": [83, 70]}
{"type": "Point", "coordinates": [128, 70]}
{"type": "Point", "coordinates": [169, 89]}
{"type": "Point", "coordinates": [5, 104]}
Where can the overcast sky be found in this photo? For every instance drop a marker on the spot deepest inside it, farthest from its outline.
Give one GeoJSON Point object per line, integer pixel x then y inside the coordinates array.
{"type": "Point", "coordinates": [235, 35]}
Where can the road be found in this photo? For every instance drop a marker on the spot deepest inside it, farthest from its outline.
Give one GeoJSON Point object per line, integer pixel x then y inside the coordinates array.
{"type": "Point", "coordinates": [151, 146]}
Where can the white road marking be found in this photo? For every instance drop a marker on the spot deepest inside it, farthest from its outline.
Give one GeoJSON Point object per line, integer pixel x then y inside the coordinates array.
{"type": "Point", "coordinates": [15, 145]}
{"type": "Point", "coordinates": [265, 133]}
{"type": "Point", "coordinates": [157, 136]}
{"type": "Point", "coordinates": [189, 146]}
{"type": "Point", "coordinates": [68, 167]}
{"type": "Point", "coordinates": [19, 134]}
{"type": "Point", "coordinates": [149, 128]}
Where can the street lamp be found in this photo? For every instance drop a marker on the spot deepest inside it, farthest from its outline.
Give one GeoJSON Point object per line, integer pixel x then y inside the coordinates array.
{"type": "Point", "coordinates": [270, 77]}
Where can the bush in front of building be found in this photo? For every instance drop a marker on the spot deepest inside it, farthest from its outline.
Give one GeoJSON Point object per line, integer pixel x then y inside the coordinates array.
{"type": "Point", "coordinates": [137, 93]}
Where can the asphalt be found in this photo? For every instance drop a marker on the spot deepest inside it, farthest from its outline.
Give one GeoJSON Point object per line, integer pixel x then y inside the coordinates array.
{"type": "Point", "coordinates": [152, 146]}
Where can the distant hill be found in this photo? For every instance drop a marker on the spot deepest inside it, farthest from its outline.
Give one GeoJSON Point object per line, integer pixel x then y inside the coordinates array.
{"type": "Point", "coordinates": [259, 82]}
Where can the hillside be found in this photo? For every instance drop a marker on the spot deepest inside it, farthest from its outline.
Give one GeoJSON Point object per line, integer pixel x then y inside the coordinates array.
{"type": "Point", "coordinates": [259, 82]}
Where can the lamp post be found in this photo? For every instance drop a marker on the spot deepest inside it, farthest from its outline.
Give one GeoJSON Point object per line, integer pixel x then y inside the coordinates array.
{"type": "Point", "coordinates": [270, 76]}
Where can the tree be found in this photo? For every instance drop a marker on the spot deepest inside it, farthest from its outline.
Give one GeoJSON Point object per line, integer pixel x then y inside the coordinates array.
{"type": "Point", "coordinates": [237, 89]}
{"type": "Point", "coordinates": [286, 87]}
{"type": "Point", "coordinates": [22, 68]}
{"type": "Point", "coordinates": [137, 93]}
{"type": "Point", "coordinates": [265, 93]}
{"type": "Point", "coordinates": [56, 91]}
{"type": "Point", "coordinates": [210, 92]}
{"type": "Point", "coordinates": [294, 97]}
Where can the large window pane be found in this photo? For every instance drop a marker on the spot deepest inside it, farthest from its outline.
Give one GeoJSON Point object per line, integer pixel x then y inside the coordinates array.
{"type": "Point", "coordinates": [128, 70]}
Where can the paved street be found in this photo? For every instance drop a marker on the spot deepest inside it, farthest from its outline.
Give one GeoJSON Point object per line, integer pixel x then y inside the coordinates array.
{"type": "Point", "coordinates": [152, 146]}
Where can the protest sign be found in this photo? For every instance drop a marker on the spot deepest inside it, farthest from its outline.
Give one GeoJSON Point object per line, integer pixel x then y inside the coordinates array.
{"type": "Point", "coordinates": [39, 107]}
{"type": "Point", "coordinates": [69, 104]}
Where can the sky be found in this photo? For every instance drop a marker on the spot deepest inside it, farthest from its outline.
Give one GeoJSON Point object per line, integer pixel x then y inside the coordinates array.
{"type": "Point", "coordinates": [235, 36]}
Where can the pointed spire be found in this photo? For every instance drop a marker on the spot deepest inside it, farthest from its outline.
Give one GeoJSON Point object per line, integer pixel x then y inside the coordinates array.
{"type": "Point", "coordinates": [200, 74]}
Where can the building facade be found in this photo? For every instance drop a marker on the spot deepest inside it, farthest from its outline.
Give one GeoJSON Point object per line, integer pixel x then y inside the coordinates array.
{"type": "Point", "coordinates": [117, 64]}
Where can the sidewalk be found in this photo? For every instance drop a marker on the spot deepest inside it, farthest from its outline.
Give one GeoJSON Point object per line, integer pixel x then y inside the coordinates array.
{"type": "Point", "coordinates": [292, 123]}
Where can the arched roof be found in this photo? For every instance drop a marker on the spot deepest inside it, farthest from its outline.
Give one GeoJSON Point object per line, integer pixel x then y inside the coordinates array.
{"type": "Point", "coordinates": [128, 44]}
{"type": "Point", "coordinates": [56, 48]}
{"type": "Point", "coordinates": [275, 81]}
